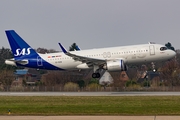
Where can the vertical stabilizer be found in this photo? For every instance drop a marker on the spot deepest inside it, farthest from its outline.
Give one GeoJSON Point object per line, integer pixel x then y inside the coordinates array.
{"type": "Point", "coordinates": [18, 46]}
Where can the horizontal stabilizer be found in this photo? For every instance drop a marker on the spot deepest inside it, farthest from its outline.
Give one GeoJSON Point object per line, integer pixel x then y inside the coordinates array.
{"type": "Point", "coordinates": [13, 62]}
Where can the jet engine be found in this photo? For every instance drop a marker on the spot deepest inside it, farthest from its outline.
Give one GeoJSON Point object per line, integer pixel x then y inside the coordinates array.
{"type": "Point", "coordinates": [115, 65]}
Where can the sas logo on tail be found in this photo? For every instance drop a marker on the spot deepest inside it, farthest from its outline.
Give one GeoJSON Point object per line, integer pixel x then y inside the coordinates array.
{"type": "Point", "coordinates": [24, 51]}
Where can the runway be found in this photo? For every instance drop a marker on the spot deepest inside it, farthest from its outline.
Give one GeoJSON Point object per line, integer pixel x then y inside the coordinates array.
{"type": "Point", "coordinates": [89, 93]}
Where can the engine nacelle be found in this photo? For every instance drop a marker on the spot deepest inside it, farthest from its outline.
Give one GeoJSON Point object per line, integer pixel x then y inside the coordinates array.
{"type": "Point", "coordinates": [115, 65]}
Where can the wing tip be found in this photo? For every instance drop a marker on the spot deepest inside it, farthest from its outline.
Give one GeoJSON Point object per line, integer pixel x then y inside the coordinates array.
{"type": "Point", "coordinates": [62, 48]}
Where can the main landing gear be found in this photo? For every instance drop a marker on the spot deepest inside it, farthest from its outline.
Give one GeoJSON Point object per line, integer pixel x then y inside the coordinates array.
{"type": "Point", "coordinates": [98, 71]}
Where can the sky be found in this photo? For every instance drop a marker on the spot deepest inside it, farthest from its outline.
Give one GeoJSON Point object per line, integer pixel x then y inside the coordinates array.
{"type": "Point", "coordinates": [91, 23]}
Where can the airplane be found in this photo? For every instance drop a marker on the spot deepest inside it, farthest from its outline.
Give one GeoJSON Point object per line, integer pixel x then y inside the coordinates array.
{"type": "Point", "coordinates": [106, 59]}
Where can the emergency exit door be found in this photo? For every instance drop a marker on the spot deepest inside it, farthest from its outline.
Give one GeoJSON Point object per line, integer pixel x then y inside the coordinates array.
{"type": "Point", "coordinates": [152, 50]}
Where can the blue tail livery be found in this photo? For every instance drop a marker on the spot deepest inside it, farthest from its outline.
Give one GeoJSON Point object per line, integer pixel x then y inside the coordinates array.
{"type": "Point", "coordinates": [18, 46]}
{"type": "Point", "coordinates": [24, 55]}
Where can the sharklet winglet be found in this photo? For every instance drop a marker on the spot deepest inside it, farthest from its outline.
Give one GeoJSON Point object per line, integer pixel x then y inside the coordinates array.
{"type": "Point", "coordinates": [63, 48]}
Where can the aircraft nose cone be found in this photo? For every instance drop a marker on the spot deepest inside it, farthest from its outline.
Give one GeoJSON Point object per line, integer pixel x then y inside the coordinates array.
{"type": "Point", "coordinates": [173, 53]}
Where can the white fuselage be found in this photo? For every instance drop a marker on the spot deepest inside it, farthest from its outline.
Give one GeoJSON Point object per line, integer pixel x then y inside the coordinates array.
{"type": "Point", "coordinates": [129, 54]}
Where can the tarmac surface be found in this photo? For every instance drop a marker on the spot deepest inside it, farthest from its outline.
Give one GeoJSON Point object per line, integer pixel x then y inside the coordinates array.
{"type": "Point", "coordinates": [89, 117]}
{"type": "Point", "coordinates": [89, 93]}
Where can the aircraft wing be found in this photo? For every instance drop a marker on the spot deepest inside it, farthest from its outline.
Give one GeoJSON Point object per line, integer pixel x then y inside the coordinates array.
{"type": "Point", "coordinates": [88, 60]}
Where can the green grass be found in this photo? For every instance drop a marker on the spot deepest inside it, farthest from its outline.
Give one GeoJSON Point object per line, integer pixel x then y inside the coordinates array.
{"type": "Point", "coordinates": [64, 105]}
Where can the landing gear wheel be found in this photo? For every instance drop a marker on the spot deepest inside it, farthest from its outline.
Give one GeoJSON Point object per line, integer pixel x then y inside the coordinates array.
{"type": "Point", "coordinates": [96, 75]}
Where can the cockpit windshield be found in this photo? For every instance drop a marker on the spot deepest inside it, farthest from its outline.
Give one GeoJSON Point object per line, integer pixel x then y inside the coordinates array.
{"type": "Point", "coordinates": [163, 48]}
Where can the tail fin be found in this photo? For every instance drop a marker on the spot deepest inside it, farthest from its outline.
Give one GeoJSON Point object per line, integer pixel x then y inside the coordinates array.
{"type": "Point", "coordinates": [18, 46]}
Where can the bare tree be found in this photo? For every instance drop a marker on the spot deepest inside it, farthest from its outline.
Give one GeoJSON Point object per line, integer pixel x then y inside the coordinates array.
{"type": "Point", "coordinates": [6, 78]}
{"type": "Point", "coordinates": [170, 73]}
{"type": "Point", "coordinates": [117, 80]}
{"type": "Point", "coordinates": [44, 50]}
{"type": "Point", "coordinates": [60, 77]}
{"type": "Point", "coordinates": [132, 73]}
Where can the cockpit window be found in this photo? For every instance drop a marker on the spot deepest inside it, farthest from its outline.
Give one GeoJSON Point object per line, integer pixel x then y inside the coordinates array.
{"type": "Point", "coordinates": [163, 48]}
